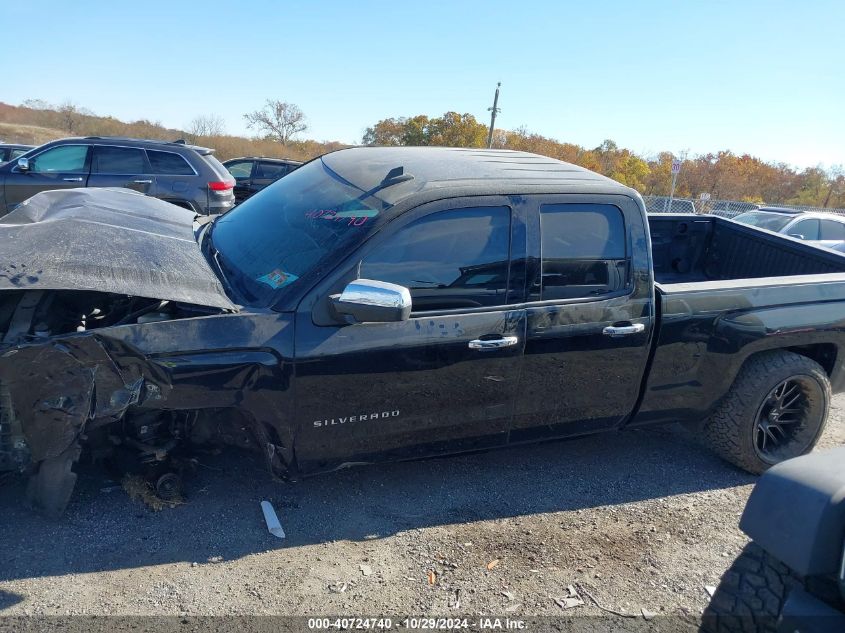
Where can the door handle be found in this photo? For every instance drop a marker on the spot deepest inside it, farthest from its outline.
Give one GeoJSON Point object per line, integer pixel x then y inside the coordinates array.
{"type": "Point", "coordinates": [72, 179]}
{"type": "Point", "coordinates": [623, 330]}
{"type": "Point", "coordinates": [496, 343]}
{"type": "Point", "coordinates": [143, 182]}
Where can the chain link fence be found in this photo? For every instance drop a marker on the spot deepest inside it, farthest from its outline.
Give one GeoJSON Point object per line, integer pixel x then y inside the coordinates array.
{"type": "Point", "coordinates": [724, 208]}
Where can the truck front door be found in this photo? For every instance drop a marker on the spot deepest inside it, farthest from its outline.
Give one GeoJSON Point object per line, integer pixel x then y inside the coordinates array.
{"type": "Point", "coordinates": [442, 381]}
{"type": "Point", "coordinates": [590, 316]}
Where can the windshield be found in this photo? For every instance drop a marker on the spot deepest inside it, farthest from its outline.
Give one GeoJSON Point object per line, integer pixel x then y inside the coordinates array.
{"type": "Point", "coordinates": [283, 233]}
{"type": "Point", "coordinates": [769, 221]}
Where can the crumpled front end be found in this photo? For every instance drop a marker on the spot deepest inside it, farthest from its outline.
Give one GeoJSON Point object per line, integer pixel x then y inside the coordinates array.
{"type": "Point", "coordinates": [136, 384]}
{"type": "Point", "coordinates": [74, 265]}
{"type": "Point", "coordinates": [55, 389]}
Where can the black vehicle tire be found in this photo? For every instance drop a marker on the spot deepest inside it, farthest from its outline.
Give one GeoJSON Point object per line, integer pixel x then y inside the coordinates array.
{"type": "Point", "coordinates": [750, 595]}
{"type": "Point", "coordinates": [776, 409]}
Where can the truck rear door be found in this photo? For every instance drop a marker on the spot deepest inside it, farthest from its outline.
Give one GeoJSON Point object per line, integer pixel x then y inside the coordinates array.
{"type": "Point", "coordinates": [589, 318]}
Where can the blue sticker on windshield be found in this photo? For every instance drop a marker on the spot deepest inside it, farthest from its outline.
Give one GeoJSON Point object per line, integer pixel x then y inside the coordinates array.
{"type": "Point", "coordinates": [277, 279]}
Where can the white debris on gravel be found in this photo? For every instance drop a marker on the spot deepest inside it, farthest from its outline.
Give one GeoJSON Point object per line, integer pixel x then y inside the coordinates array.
{"type": "Point", "coordinates": [272, 521]}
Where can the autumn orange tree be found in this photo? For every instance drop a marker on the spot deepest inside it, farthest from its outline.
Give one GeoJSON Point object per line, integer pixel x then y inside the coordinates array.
{"type": "Point", "coordinates": [450, 130]}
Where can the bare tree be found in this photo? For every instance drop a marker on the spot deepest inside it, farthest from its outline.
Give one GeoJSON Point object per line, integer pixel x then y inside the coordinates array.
{"type": "Point", "coordinates": [837, 183]}
{"type": "Point", "coordinates": [207, 125]}
{"type": "Point", "coordinates": [279, 120]}
{"type": "Point", "coordinates": [71, 115]}
{"type": "Point", "coordinates": [36, 104]}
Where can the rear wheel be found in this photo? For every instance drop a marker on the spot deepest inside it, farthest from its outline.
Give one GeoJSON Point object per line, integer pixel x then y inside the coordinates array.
{"type": "Point", "coordinates": [776, 409]}
{"type": "Point", "coordinates": [750, 595]}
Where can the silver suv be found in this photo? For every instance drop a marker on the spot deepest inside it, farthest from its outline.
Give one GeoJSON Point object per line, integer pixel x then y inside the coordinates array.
{"type": "Point", "coordinates": [185, 175]}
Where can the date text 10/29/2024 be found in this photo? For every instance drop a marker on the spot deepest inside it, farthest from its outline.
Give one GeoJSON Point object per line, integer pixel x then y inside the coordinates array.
{"type": "Point", "coordinates": [421, 623]}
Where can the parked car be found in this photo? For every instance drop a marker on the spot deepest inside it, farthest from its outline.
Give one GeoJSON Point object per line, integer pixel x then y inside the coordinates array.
{"type": "Point", "coordinates": [662, 204]}
{"type": "Point", "coordinates": [185, 175]}
{"type": "Point", "coordinates": [823, 229]}
{"type": "Point", "coordinates": [11, 151]}
{"type": "Point", "coordinates": [792, 576]}
{"type": "Point", "coordinates": [371, 306]}
{"type": "Point", "coordinates": [729, 208]}
{"type": "Point", "coordinates": [252, 174]}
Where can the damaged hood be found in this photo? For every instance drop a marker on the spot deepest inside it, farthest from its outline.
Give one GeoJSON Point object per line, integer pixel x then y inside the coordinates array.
{"type": "Point", "coordinates": [106, 240]}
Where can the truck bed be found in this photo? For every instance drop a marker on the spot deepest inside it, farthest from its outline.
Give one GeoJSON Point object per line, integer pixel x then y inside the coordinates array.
{"type": "Point", "coordinates": [726, 291]}
{"type": "Point", "coordinates": [693, 248]}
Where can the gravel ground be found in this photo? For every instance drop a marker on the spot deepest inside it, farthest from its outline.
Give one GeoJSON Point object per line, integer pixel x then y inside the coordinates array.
{"type": "Point", "coordinates": [639, 520]}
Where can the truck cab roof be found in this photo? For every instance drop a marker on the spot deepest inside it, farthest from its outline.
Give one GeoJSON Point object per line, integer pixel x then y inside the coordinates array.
{"type": "Point", "coordinates": [397, 173]}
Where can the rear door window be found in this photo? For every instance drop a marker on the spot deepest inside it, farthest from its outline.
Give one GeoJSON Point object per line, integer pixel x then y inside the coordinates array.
{"type": "Point", "coordinates": [583, 251]}
{"type": "Point", "coordinates": [118, 160]}
{"type": "Point", "coordinates": [448, 259]}
{"type": "Point", "coordinates": [832, 230]}
{"type": "Point", "coordinates": [69, 159]}
{"type": "Point", "coordinates": [169, 164]}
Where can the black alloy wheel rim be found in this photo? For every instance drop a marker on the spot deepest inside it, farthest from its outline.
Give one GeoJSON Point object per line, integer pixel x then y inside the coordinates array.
{"type": "Point", "coordinates": [788, 421]}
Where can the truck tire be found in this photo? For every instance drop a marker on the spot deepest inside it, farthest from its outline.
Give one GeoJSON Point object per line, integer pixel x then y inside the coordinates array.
{"type": "Point", "coordinates": [750, 595]}
{"type": "Point", "coordinates": [776, 409]}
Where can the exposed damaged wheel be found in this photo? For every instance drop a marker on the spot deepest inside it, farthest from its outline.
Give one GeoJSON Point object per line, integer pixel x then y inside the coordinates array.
{"type": "Point", "coordinates": [49, 489]}
{"type": "Point", "coordinates": [776, 409]}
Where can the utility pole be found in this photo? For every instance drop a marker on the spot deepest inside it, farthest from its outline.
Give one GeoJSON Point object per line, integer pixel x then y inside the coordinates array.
{"type": "Point", "coordinates": [493, 112]}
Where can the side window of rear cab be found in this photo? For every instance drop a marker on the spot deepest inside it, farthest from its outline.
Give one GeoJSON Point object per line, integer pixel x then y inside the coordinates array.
{"type": "Point", "coordinates": [583, 252]}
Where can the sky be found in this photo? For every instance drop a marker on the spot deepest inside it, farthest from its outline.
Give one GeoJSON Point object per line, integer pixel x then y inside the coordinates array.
{"type": "Point", "coordinates": [763, 77]}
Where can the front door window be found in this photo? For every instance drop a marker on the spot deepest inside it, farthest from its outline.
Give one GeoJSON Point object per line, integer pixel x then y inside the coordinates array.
{"type": "Point", "coordinates": [448, 259]}
{"type": "Point", "coordinates": [68, 159]}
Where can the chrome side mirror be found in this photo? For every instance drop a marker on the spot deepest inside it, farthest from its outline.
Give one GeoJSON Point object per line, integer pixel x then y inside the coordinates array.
{"type": "Point", "coordinates": [797, 236]}
{"type": "Point", "coordinates": [23, 164]}
{"type": "Point", "coordinates": [371, 301]}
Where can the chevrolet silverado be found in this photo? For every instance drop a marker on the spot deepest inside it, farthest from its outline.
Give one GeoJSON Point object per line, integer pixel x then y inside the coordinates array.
{"type": "Point", "coordinates": [390, 303]}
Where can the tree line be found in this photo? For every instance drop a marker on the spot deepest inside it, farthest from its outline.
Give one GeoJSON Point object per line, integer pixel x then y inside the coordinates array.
{"type": "Point", "coordinates": [278, 125]}
{"type": "Point", "coordinates": [37, 122]}
{"type": "Point", "coordinates": [724, 175]}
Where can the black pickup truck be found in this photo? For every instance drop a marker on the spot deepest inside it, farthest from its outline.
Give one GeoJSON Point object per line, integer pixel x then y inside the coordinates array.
{"type": "Point", "coordinates": [390, 303]}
